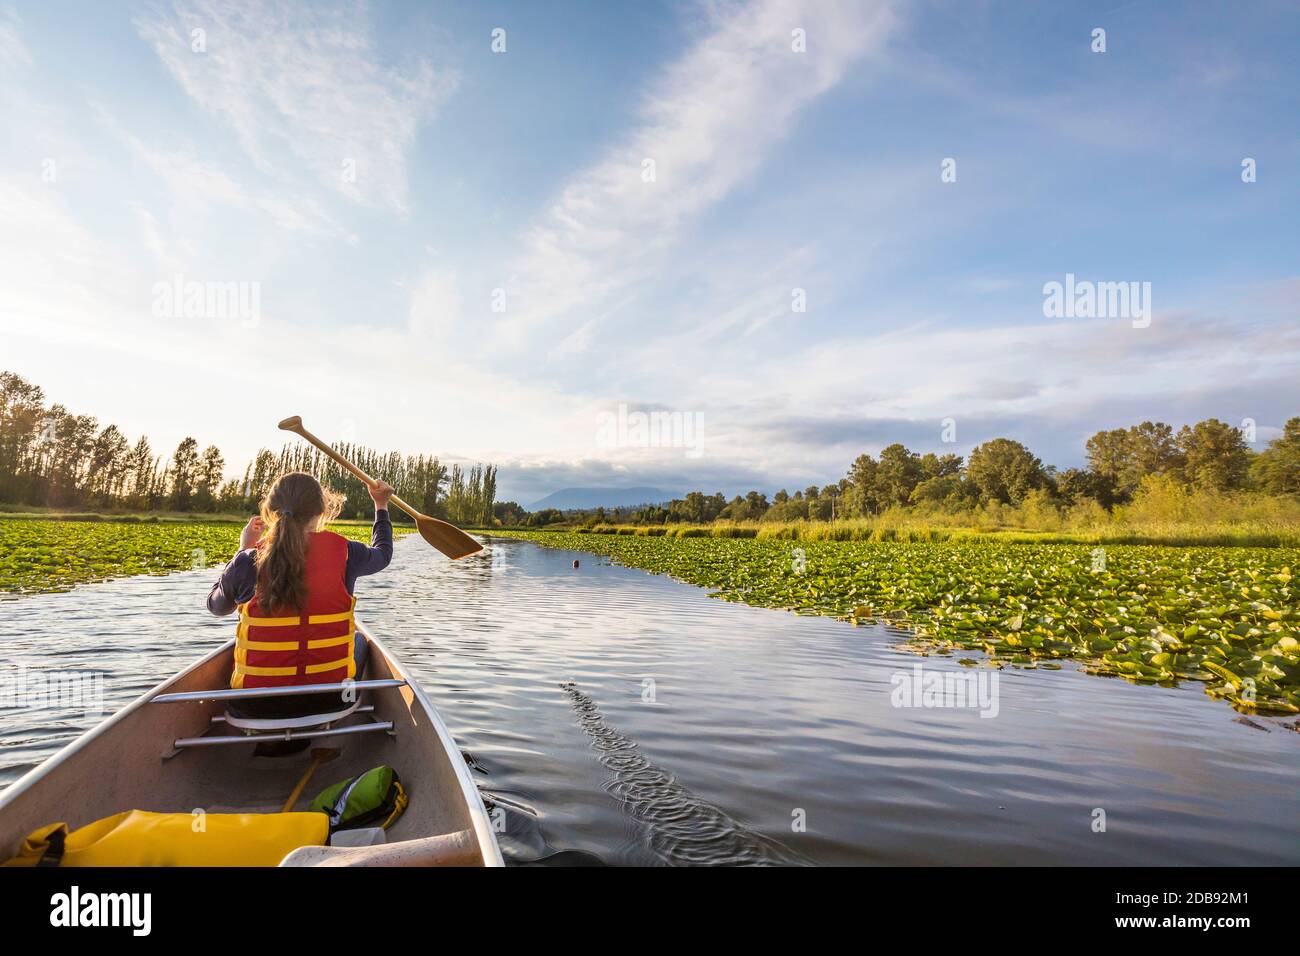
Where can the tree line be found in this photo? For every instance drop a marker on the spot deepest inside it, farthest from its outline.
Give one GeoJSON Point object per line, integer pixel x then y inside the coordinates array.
{"type": "Point", "coordinates": [1210, 456]}
{"type": "Point", "coordinates": [50, 457]}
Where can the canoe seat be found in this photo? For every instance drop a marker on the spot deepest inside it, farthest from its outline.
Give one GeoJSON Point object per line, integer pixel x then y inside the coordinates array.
{"type": "Point", "coordinates": [285, 713]}
{"type": "Point", "coordinates": [245, 718]}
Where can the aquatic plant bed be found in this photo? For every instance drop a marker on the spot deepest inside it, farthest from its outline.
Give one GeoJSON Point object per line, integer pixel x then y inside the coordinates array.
{"type": "Point", "coordinates": [1156, 615]}
{"type": "Point", "coordinates": [44, 555]}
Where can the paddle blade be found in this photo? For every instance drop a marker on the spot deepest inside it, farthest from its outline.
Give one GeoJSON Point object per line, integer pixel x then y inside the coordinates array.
{"type": "Point", "coordinates": [291, 424]}
{"type": "Point", "coordinates": [447, 538]}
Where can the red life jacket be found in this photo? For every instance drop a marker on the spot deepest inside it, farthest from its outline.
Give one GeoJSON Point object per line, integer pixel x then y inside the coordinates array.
{"type": "Point", "coordinates": [311, 647]}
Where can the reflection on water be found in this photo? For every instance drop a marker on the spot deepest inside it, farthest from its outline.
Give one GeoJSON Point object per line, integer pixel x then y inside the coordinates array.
{"type": "Point", "coordinates": [768, 736]}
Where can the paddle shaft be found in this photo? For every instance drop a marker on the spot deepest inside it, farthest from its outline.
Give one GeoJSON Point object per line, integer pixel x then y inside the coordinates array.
{"type": "Point", "coordinates": [446, 537]}
{"type": "Point", "coordinates": [357, 472]}
{"type": "Point", "coordinates": [318, 757]}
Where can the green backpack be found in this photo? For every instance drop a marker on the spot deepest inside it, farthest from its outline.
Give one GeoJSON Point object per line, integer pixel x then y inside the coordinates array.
{"type": "Point", "coordinates": [376, 798]}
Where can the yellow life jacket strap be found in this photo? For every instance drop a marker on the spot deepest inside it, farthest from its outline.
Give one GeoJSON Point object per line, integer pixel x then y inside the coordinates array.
{"type": "Point", "coordinates": [243, 644]}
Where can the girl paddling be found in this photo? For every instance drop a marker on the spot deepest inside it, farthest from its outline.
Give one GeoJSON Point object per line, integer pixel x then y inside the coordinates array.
{"type": "Point", "coordinates": [292, 583]}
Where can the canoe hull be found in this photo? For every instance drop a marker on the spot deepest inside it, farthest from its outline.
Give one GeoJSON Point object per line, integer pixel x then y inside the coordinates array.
{"type": "Point", "coordinates": [128, 762]}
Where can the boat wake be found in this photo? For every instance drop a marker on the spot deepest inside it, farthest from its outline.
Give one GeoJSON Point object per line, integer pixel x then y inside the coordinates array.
{"type": "Point", "coordinates": [680, 828]}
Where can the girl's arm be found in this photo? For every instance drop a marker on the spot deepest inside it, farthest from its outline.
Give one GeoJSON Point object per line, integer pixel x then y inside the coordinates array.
{"type": "Point", "coordinates": [238, 581]}
{"type": "Point", "coordinates": [237, 584]}
{"type": "Point", "coordinates": [363, 560]}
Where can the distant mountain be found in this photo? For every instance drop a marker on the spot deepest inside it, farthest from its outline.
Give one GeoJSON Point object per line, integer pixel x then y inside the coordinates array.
{"type": "Point", "coordinates": [567, 499]}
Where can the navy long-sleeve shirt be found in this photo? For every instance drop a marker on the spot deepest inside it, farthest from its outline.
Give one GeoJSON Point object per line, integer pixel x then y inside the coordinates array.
{"type": "Point", "coordinates": [238, 581]}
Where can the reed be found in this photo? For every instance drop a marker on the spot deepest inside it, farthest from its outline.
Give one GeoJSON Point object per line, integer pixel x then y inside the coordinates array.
{"type": "Point", "coordinates": [1259, 534]}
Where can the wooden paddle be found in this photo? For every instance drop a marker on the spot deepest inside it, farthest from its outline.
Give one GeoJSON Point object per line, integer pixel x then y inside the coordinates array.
{"type": "Point", "coordinates": [447, 538]}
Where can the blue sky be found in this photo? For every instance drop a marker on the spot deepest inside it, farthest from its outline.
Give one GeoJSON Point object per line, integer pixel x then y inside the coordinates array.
{"type": "Point", "coordinates": [127, 157]}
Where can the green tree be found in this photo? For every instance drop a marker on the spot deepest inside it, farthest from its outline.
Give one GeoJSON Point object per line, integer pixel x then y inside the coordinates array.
{"type": "Point", "coordinates": [489, 496]}
{"type": "Point", "coordinates": [1277, 468]}
{"type": "Point", "coordinates": [1152, 450]}
{"type": "Point", "coordinates": [22, 408]}
{"type": "Point", "coordinates": [67, 442]}
{"type": "Point", "coordinates": [1004, 470]}
{"type": "Point", "coordinates": [473, 510]}
{"type": "Point", "coordinates": [1075, 485]}
{"type": "Point", "coordinates": [861, 497]}
{"type": "Point", "coordinates": [184, 473]}
{"type": "Point", "coordinates": [940, 466]}
{"type": "Point", "coordinates": [429, 476]}
{"type": "Point", "coordinates": [898, 472]}
{"type": "Point", "coordinates": [544, 517]}
{"type": "Point", "coordinates": [509, 513]}
{"type": "Point", "coordinates": [108, 463]}
{"type": "Point", "coordinates": [1108, 460]}
{"type": "Point", "coordinates": [455, 495]}
{"type": "Point", "coordinates": [736, 509]}
{"type": "Point", "coordinates": [1215, 455]}
{"type": "Point", "coordinates": [1120, 458]}
{"type": "Point", "coordinates": [948, 490]}
{"type": "Point", "coordinates": [140, 468]}
{"type": "Point", "coordinates": [208, 475]}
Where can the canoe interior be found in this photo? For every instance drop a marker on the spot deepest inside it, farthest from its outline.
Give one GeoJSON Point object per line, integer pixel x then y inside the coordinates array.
{"type": "Point", "coordinates": [129, 763]}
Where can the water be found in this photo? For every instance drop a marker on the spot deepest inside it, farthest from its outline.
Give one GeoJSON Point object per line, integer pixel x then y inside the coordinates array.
{"type": "Point", "coordinates": [630, 718]}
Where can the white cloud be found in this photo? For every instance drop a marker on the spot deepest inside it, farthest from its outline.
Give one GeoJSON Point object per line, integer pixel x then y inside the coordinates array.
{"type": "Point", "coordinates": [435, 304]}
{"type": "Point", "coordinates": [75, 317]}
{"type": "Point", "coordinates": [152, 239]}
{"type": "Point", "coordinates": [304, 77]}
{"type": "Point", "coordinates": [707, 122]}
{"type": "Point", "coordinates": [1015, 371]}
{"type": "Point", "coordinates": [197, 183]}
{"type": "Point", "coordinates": [49, 261]}
{"type": "Point", "coordinates": [13, 52]}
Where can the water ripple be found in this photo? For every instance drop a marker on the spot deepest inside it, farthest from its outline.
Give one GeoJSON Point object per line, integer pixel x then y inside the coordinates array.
{"type": "Point", "coordinates": [679, 827]}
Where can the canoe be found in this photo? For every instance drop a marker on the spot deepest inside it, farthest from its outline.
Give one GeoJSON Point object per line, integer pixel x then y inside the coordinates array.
{"type": "Point", "coordinates": [174, 750]}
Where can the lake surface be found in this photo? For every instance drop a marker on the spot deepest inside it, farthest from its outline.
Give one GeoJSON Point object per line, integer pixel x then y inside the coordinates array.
{"type": "Point", "coordinates": [632, 719]}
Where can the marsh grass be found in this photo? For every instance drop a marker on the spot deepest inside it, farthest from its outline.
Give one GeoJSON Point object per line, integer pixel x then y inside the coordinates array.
{"type": "Point", "coordinates": [869, 530]}
{"type": "Point", "coordinates": [1163, 512]}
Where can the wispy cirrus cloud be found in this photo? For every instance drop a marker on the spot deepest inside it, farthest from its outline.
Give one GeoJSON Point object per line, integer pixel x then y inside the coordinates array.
{"type": "Point", "coordinates": [195, 182]}
{"type": "Point", "coordinates": [706, 123]}
{"type": "Point", "coordinates": [13, 52]}
{"type": "Point", "coordinates": [305, 79]}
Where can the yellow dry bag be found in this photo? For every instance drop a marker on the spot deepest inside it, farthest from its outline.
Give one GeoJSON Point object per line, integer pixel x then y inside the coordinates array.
{"type": "Point", "coordinates": [141, 838]}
